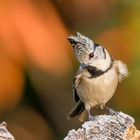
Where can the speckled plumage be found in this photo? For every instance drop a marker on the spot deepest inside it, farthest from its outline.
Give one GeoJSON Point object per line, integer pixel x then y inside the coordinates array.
{"type": "Point", "coordinates": [97, 77]}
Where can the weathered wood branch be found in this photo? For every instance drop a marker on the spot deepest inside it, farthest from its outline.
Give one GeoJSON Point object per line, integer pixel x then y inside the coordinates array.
{"type": "Point", "coordinates": [118, 126]}
{"type": "Point", "coordinates": [4, 133]}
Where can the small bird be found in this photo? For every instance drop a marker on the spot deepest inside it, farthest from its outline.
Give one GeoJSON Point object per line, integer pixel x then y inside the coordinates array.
{"type": "Point", "coordinates": [97, 77]}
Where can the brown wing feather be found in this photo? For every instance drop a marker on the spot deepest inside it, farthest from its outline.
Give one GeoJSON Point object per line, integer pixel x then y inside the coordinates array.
{"type": "Point", "coordinates": [77, 110]}
{"type": "Point", "coordinates": [79, 107]}
{"type": "Point", "coordinates": [75, 95]}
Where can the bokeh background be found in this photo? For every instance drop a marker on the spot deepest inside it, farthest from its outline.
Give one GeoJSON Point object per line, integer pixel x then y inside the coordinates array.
{"type": "Point", "coordinates": [37, 64]}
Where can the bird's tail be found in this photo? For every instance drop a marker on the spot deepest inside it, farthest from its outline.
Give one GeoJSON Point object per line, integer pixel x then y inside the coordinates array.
{"type": "Point", "coordinates": [78, 110]}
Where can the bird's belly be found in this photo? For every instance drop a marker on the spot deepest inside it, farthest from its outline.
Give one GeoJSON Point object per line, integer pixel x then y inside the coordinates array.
{"type": "Point", "coordinates": [97, 91]}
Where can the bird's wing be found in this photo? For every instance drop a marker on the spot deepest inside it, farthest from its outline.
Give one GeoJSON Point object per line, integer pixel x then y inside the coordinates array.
{"type": "Point", "coordinates": [75, 84]}
{"type": "Point", "coordinates": [122, 69]}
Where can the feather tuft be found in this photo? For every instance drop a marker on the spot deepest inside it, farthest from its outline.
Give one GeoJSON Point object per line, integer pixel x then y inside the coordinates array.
{"type": "Point", "coordinates": [122, 70]}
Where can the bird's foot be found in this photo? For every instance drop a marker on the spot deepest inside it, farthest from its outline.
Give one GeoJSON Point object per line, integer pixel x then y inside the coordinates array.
{"type": "Point", "coordinates": [102, 107]}
{"type": "Point", "coordinates": [91, 118]}
{"type": "Point", "coordinates": [111, 111]}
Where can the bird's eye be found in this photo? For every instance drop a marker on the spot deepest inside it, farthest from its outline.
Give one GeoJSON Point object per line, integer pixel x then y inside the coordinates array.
{"type": "Point", "coordinates": [91, 55]}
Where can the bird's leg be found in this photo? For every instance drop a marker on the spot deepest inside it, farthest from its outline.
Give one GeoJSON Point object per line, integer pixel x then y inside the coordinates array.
{"type": "Point", "coordinates": [102, 107]}
{"type": "Point", "coordinates": [111, 111]}
{"type": "Point", "coordinates": [88, 111]}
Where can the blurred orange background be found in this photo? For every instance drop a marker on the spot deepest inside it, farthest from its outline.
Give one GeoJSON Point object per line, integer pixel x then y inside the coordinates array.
{"type": "Point", "coordinates": [37, 64]}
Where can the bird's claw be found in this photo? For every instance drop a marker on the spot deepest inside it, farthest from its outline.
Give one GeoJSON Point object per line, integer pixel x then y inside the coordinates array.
{"type": "Point", "coordinates": [111, 111]}
{"type": "Point", "coordinates": [91, 118]}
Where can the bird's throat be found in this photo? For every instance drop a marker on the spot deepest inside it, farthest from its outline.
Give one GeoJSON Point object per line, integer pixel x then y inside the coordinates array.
{"type": "Point", "coordinates": [95, 72]}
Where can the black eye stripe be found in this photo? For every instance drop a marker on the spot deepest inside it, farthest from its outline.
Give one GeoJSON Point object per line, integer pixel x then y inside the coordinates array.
{"type": "Point", "coordinates": [96, 45]}
{"type": "Point", "coordinates": [104, 53]}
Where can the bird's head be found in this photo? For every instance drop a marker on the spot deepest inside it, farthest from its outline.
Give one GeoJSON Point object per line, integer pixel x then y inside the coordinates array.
{"type": "Point", "coordinates": [87, 51]}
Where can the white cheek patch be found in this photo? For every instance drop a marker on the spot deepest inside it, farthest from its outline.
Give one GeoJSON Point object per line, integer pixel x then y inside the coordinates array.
{"type": "Point", "coordinates": [99, 52]}
{"type": "Point", "coordinates": [96, 57]}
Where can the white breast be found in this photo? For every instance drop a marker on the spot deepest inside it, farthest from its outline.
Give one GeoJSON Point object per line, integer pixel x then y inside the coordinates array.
{"type": "Point", "coordinates": [97, 91]}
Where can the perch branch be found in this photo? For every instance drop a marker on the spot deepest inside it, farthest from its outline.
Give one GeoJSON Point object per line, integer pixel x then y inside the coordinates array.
{"type": "Point", "coordinates": [118, 126]}
{"type": "Point", "coordinates": [4, 133]}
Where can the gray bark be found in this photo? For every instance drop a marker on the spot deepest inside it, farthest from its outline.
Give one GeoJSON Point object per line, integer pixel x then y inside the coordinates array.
{"type": "Point", "coordinates": [4, 133]}
{"type": "Point", "coordinates": [118, 126]}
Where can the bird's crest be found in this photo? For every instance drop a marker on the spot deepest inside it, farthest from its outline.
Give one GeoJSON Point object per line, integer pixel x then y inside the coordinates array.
{"type": "Point", "coordinates": [80, 40]}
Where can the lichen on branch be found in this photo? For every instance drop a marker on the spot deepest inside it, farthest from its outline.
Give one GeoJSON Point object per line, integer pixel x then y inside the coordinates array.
{"type": "Point", "coordinates": [106, 127]}
{"type": "Point", "coordinates": [4, 133]}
